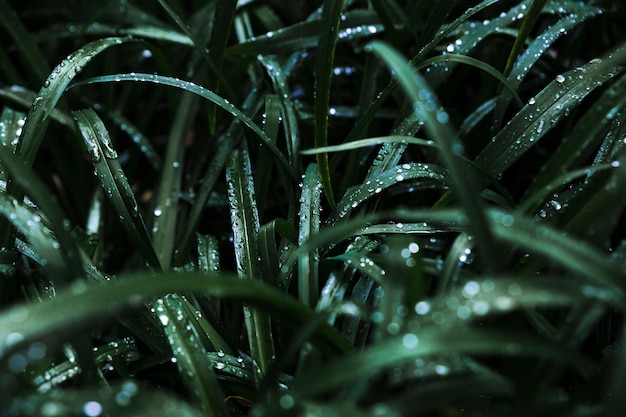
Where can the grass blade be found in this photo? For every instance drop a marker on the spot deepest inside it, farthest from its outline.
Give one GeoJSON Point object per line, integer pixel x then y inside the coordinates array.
{"type": "Point", "coordinates": [308, 268]}
{"type": "Point", "coordinates": [245, 225]}
{"type": "Point", "coordinates": [114, 183]}
{"type": "Point", "coordinates": [191, 357]}
{"type": "Point", "coordinates": [331, 16]}
{"type": "Point", "coordinates": [202, 92]}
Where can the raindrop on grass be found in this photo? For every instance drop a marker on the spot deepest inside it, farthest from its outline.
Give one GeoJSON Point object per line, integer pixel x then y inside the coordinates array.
{"type": "Point", "coordinates": [560, 78]}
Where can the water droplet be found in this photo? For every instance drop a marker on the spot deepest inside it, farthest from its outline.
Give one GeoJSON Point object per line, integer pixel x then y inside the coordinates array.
{"type": "Point", "coordinates": [560, 78]}
{"type": "Point", "coordinates": [92, 409]}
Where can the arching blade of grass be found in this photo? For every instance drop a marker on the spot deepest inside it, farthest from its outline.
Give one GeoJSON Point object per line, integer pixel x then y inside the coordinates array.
{"type": "Point", "coordinates": [309, 224]}
{"type": "Point", "coordinates": [114, 183]}
{"type": "Point", "coordinates": [51, 320]}
{"type": "Point", "coordinates": [52, 89]}
{"type": "Point", "coordinates": [209, 95]}
{"type": "Point", "coordinates": [245, 225]}
{"type": "Point", "coordinates": [34, 59]}
{"type": "Point", "coordinates": [371, 187]}
{"type": "Point", "coordinates": [191, 357]}
{"type": "Point", "coordinates": [331, 16]}
{"type": "Point", "coordinates": [468, 60]}
{"type": "Point", "coordinates": [426, 343]}
{"type": "Point", "coordinates": [436, 121]}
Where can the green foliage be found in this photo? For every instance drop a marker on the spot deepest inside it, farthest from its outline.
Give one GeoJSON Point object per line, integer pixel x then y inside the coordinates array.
{"type": "Point", "coordinates": [359, 207]}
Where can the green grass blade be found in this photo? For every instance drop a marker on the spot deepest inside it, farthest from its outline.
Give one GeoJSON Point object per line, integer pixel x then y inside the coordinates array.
{"type": "Point", "coordinates": [309, 224]}
{"type": "Point", "coordinates": [331, 16]}
{"type": "Point", "coordinates": [245, 225]}
{"type": "Point", "coordinates": [356, 24]}
{"type": "Point", "coordinates": [191, 357]}
{"type": "Point", "coordinates": [468, 60]}
{"type": "Point", "coordinates": [536, 6]}
{"type": "Point", "coordinates": [436, 121]}
{"type": "Point", "coordinates": [230, 94]}
{"type": "Point", "coordinates": [114, 183]}
{"type": "Point", "coordinates": [202, 92]}
{"type": "Point", "coordinates": [50, 93]}
{"type": "Point", "coordinates": [166, 205]}
{"type": "Point", "coordinates": [51, 320]}
{"type": "Point", "coordinates": [543, 111]}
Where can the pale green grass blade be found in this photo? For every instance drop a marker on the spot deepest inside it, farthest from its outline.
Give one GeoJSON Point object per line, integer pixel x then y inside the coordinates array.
{"type": "Point", "coordinates": [245, 225]}
{"type": "Point", "coordinates": [51, 320]}
{"type": "Point", "coordinates": [436, 121]}
{"type": "Point", "coordinates": [309, 224]}
{"type": "Point", "coordinates": [114, 183]}
{"type": "Point", "coordinates": [192, 361]}
{"type": "Point", "coordinates": [209, 95]}
{"type": "Point", "coordinates": [331, 16]}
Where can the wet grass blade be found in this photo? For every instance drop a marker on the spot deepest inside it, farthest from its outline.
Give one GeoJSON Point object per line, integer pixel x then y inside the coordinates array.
{"type": "Point", "coordinates": [245, 225]}
{"type": "Point", "coordinates": [202, 92]}
{"type": "Point", "coordinates": [166, 205]}
{"type": "Point", "coordinates": [191, 358]}
{"type": "Point", "coordinates": [50, 93]}
{"type": "Point", "coordinates": [114, 183]}
{"type": "Point", "coordinates": [536, 6]}
{"type": "Point", "coordinates": [309, 224]}
{"type": "Point", "coordinates": [331, 16]}
{"type": "Point", "coordinates": [51, 320]}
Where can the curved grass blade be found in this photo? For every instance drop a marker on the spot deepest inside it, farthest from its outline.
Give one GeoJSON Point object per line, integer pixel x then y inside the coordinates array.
{"type": "Point", "coordinates": [202, 51]}
{"type": "Point", "coordinates": [114, 183]}
{"type": "Point", "coordinates": [362, 143]}
{"type": "Point", "coordinates": [371, 187]}
{"type": "Point", "coordinates": [468, 60]}
{"type": "Point", "coordinates": [245, 225]}
{"type": "Point", "coordinates": [331, 16]}
{"type": "Point", "coordinates": [51, 319]}
{"type": "Point", "coordinates": [436, 123]}
{"type": "Point", "coordinates": [209, 95]}
{"type": "Point", "coordinates": [192, 361]}
{"type": "Point", "coordinates": [52, 89]}
{"type": "Point", "coordinates": [428, 342]}
{"type": "Point", "coordinates": [309, 224]}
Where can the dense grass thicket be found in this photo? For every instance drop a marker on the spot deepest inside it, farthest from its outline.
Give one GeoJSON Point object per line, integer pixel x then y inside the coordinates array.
{"type": "Point", "coordinates": [312, 208]}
